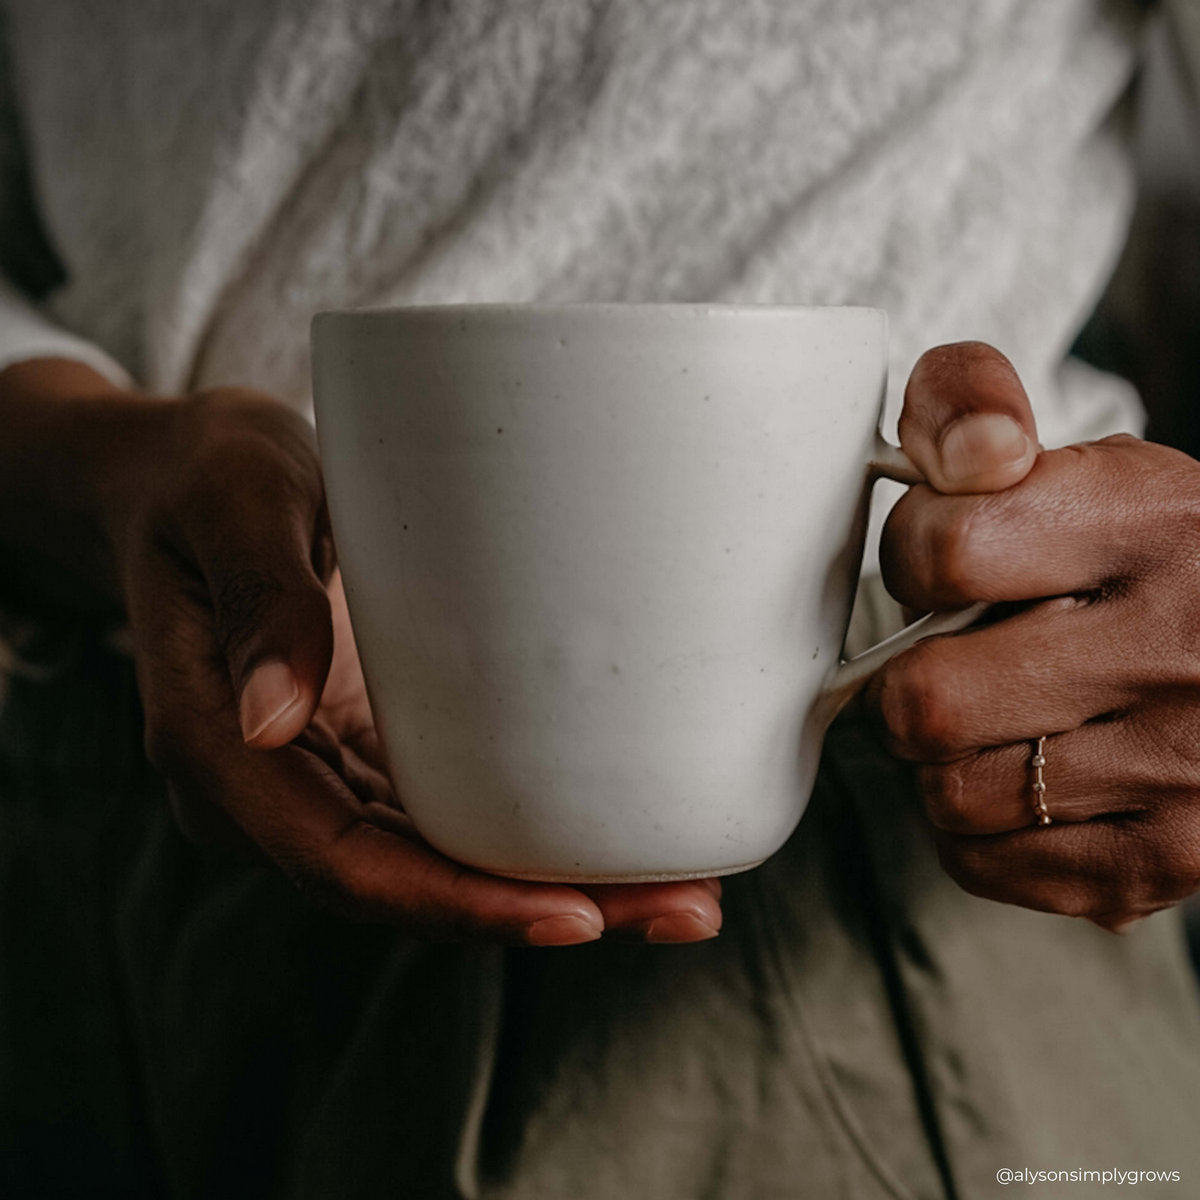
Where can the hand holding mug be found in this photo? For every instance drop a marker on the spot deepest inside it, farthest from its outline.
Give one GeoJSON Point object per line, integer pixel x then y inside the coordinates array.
{"type": "Point", "coordinates": [1095, 557]}
{"type": "Point", "coordinates": [203, 518]}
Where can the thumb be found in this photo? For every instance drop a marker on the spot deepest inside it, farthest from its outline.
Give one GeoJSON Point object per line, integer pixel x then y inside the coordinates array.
{"type": "Point", "coordinates": [967, 423]}
{"type": "Point", "coordinates": [273, 622]}
{"type": "Point", "coordinates": [279, 671]}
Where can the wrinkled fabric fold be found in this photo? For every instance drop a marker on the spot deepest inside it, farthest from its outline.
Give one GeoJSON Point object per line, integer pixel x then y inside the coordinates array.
{"type": "Point", "coordinates": [860, 1029]}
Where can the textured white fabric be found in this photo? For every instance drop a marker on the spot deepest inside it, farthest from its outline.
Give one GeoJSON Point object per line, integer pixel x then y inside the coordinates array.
{"type": "Point", "coordinates": [210, 174]}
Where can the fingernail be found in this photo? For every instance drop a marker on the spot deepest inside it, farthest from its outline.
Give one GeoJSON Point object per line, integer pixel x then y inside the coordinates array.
{"type": "Point", "coordinates": [562, 931]}
{"type": "Point", "coordinates": [270, 692]}
{"type": "Point", "coordinates": [981, 442]}
{"type": "Point", "coordinates": [679, 927]}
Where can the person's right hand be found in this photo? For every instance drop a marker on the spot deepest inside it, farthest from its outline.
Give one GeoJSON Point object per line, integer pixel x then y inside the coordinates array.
{"type": "Point", "coordinates": [215, 540]}
{"type": "Point", "coordinates": [1053, 744]}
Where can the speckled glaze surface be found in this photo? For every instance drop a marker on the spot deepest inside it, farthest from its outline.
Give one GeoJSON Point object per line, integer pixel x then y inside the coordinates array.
{"type": "Point", "coordinates": [600, 561]}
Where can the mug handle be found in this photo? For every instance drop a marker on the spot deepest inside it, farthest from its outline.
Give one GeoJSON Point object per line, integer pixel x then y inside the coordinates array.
{"type": "Point", "coordinates": [850, 676]}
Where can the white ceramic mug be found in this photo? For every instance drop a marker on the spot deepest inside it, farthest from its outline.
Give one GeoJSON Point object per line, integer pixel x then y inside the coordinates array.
{"type": "Point", "coordinates": [600, 561]}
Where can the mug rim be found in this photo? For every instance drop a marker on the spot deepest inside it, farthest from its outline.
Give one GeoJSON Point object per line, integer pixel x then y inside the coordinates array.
{"type": "Point", "coordinates": [602, 308]}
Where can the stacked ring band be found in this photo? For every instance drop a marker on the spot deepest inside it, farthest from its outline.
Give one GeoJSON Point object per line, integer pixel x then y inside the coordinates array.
{"type": "Point", "coordinates": [1038, 763]}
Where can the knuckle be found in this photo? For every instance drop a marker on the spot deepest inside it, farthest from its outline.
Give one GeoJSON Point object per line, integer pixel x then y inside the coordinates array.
{"type": "Point", "coordinates": [901, 553]}
{"type": "Point", "coordinates": [930, 549]}
{"type": "Point", "coordinates": [904, 551]}
{"type": "Point", "coordinates": [259, 450]}
{"type": "Point", "coordinates": [217, 416]}
{"type": "Point", "coordinates": [948, 803]}
{"type": "Point", "coordinates": [918, 707]}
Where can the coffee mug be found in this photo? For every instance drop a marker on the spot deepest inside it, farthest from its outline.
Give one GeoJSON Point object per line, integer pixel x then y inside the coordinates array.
{"type": "Point", "coordinates": [599, 561]}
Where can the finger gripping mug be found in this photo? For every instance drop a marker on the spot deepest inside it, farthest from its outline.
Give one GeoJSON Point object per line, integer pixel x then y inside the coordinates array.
{"type": "Point", "coordinates": [600, 561]}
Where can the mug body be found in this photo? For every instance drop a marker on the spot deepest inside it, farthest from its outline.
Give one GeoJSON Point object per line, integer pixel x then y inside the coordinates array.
{"type": "Point", "coordinates": [599, 561]}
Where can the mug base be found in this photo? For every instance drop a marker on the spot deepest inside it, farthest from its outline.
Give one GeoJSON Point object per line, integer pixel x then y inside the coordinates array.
{"type": "Point", "coordinates": [590, 877]}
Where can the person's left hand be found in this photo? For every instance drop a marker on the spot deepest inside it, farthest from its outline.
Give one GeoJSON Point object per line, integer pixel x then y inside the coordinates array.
{"type": "Point", "coordinates": [1092, 554]}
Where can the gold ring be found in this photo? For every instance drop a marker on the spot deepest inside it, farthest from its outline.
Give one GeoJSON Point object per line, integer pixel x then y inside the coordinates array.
{"type": "Point", "coordinates": [1038, 763]}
